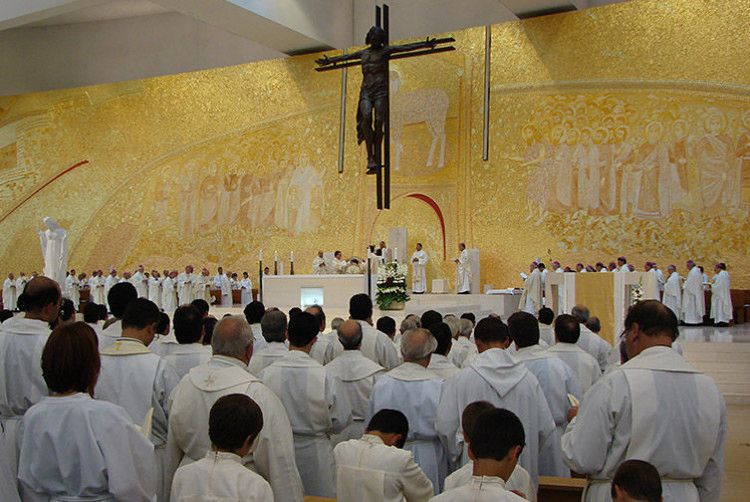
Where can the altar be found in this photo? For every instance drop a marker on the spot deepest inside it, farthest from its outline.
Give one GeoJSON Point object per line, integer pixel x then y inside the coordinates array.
{"type": "Point", "coordinates": [331, 291]}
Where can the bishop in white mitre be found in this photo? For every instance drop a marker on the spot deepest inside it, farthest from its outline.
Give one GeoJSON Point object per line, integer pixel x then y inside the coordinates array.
{"type": "Point", "coordinates": [463, 270]}
{"type": "Point", "coordinates": [272, 453]}
{"type": "Point", "coordinates": [9, 292]}
{"type": "Point", "coordinates": [22, 339]}
{"type": "Point", "coordinates": [315, 402]}
{"type": "Point", "coordinates": [186, 286]}
{"type": "Point", "coordinates": [638, 412]}
{"type": "Point", "coordinates": [357, 375]}
{"type": "Point", "coordinates": [673, 292]}
{"type": "Point", "coordinates": [140, 281]}
{"type": "Point", "coordinates": [418, 273]}
{"type": "Point", "coordinates": [531, 299]}
{"type": "Point", "coordinates": [693, 301]}
{"type": "Point", "coordinates": [139, 380]}
{"type": "Point", "coordinates": [721, 299]}
{"type": "Point", "coordinates": [415, 391]}
{"type": "Point", "coordinates": [319, 264]}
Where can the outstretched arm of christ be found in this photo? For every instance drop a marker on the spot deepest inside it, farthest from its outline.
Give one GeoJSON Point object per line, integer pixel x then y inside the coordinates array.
{"type": "Point", "coordinates": [325, 60]}
{"type": "Point", "coordinates": [426, 44]}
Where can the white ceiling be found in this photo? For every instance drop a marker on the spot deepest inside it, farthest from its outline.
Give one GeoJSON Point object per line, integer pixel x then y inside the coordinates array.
{"type": "Point", "coordinates": [112, 9]}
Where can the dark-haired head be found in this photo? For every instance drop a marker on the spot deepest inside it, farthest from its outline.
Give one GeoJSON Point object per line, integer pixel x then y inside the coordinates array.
{"type": "Point", "coordinates": [442, 333]}
{"type": "Point", "coordinates": [391, 423]}
{"type": "Point", "coordinates": [163, 325]}
{"type": "Point", "coordinates": [637, 480]}
{"type": "Point", "coordinates": [386, 325]}
{"type": "Point", "coordinates": [188, 324]}
{"type": "Point", "coordinates": [202, 306]}
{"type": "Point", "coordinates": [491, 332]}
{"type": "Point", "coordinates": [497, 435]}
{"type": "Point", "coordinates": [649, 323]}
{"type": "Point", "coordinates": [302, 329]}
{"type": "Point", "coordinates": [567, 329]}
{"type": "Point", "coordinates": [523, 329]}
{"type": "Point", "coordinates": [546, 316]}
{"type": "Point", "coordinates": [91, 313]}
{"type": "Point", "coordinates": [70, 359]}
{"type": "Point", "coordinates": [470, 316]}
{"type": "Point", "coordinates": [431, 317]}
{"type": "Point", "coordinates": [254, 312]}
{"type": "Point", "coordinates": [360, 307]}
{"type": "Point", "coordinates": [208, 329]}
{"type": "Point", "coordinates": [471, 413]}
{"type": "Point", "coordinates": [233, 423]}
{"type": "Point", "coordinates": [41, 299]}
{"type": "Point", "coordinates": [119, 297]}
{"type": "Point", "coordinates": [320, 316]}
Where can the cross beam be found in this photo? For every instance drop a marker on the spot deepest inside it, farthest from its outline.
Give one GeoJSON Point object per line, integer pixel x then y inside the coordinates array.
{"type": "Point", "coordinates": [382, 167]}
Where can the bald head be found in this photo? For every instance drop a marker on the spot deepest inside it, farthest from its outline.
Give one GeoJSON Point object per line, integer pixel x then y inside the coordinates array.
{"type": "Point", "coordinates": [233, 337]}
{"type": "Point", "coordinates": [417, 346]}
{"type": "Point", "coordinates": [350, 335]}
{"type": "Point", "coordinates": [41, 299]}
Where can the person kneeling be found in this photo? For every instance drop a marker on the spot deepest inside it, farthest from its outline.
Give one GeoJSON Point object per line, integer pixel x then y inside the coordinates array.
{"type": "Point", "coordinates": [495, 443]}
{"type": "Point", "coordinates": [234, 423]}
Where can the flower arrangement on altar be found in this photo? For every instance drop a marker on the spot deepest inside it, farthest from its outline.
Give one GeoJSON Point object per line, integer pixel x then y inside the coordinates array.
{"type": "Point", "coordinates": [636, 294]}
{"type": "Point", "coordinates": [391, 284]}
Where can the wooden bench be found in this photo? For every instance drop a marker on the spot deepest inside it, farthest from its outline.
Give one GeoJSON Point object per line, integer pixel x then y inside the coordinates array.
{"type": "Point", "coordinates": [560, 489]}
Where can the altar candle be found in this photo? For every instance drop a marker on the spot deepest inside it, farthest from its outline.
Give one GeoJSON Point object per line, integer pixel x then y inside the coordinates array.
{"type": "Point", "coordinates": [260, 255]}
{"type": "Point", "coordinates": [292, 258]}
{"type": "Point", "coordinates": [395, 254]}
{"type": "Point", "coordinates": [275, 256]}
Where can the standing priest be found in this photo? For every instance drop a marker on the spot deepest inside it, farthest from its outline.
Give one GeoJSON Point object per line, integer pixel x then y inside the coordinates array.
{"type": "Point", "coordinates": [463, 271]}
{"type": "Point", "coordinates": [693, 301]}
{"type": "Point", "coordinates": [418, 275]}
{"type": "Point", "coordinates": [531, 299]}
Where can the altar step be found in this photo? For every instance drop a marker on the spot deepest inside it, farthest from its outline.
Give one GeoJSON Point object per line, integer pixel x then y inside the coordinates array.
{"type": "Point", "coordinates": [727, 363]}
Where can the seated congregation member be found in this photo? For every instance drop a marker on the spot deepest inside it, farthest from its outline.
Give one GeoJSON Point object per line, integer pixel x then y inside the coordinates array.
{"type": "Point", "coordinates": [636, 480]}
{"type": "Point", "coordinates": [139, 380]}
{"type": "Point", "coordinates": [546, 330]}
{"type": "Point", "coordinates": [118, 298]}
{"type": "Point", "coordinates": [440, 362]}
{"type": "Point", "coordinates": [504, 381]}
{"type": "Point", "coordinates": [464, 351]}
{"type": "Point", "coordinates": [590, 341]}
{"type": "Point", "coordinates": [557, 381]}
{"type": "Point", "coordinates": [315, 403]}
{"type": "Point", "coordinates": [91, 317]}
{"type": "Point", "coordinates": [202, 306]}
{"type": "Point", "coordinates": [584, 366]}
{"type": "Point", "coordinates": [163, 327]}
{"type": "Point", "coordinates": [415, 391]}
{"type": "Point", "coordinates": [495, 445]}
{"type": "Point", "coordinates": [254, 313]}
{"type": "Point", "coordinates": [639, 411]}
{"type": "Point", "coordinates": [519, 481]}
{"type": "Point", "coordinates": [188, 329]}
{"type": "Point", "coordinates": [430, 317]}
{"type": "Point", "coordinates": [376, 468]}
{"type": "Point", "coordinates": [22, 340]}
{"type": "Point", "coordinates": [324, 349]}
{"type": "Point", "coordinates": [387, 325]}
{"type": "Point", "coordinates": [75, 447]}
{"type": "Point", "coordinates": [357, 375]}
{"type": "Point", "coordinates": [375, 344]}
{"type": "Point", "coordinates": [234, 423]}
{"type": "Point", "coordinates": [272, 454]}
{"type": "Point", "coordinates": [273, 326]}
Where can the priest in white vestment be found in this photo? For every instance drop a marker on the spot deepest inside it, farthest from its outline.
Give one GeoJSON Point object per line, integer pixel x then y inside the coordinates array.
{"type": "Point", "coordinates": [557, 381]}
{"type": "Point", "coordinates": [186, 286]}
{"type": "Point", "coordinates": [418, 273]}
{"type": "Point", "coordinates": [118, 298]}
{"type": "Point", "coordinates": [139, 380]}
{"type": "Point", "coordinates": [202, 286]}
{"type": "Point", "coordinates": [246, 287]}
{"type": "Point", "coordinates": [110, 281]}
{"type": "Point", "coordinates": [560, 289]}
{"type": "Point", "coordinates": [357, 375]}
{"type": "Point", "coordinates": [531, 299]}
{"type": "Point", "coordinates": [463, 270]}
{"type": "Point", "coordinates": [96, 286]}
{"type": "Point", "coordinates": [315, 402]}
{"type": "Point", "coordinates": [272, 454]}
{"type": "Point", "coordinates": [169, 293]}
{"type": "Point", "coordinates": [721, 298]}
{"type": "Point", "coordinates": [501, 379]}
{"type": "Point", "coordinates": [9, 293]}
{"type": "Point", "coordinates": [673, 292]}
{"type": "Point", "coordinates": [222, 282]}
{"type": "Point", "coordinates": [495, 445]}
{"type": "Point", "coordinates": [190, 352]}
{"type": "Point", "coordinates": [590, 341]}
{"type": "Point", "coordinates": [319, 264]}
{"type": "Point", "coordinates": [415, 391]}
{"type": "Point", "coordinates": [519, 480]}
{"type": "Point", "coordinates": [693, 301]}
{"type": "Point", "coordinates": [337, 265]}
{"type": "Point", "coordinates": [377, 468]}
{"type": "Point", "coordinates": [75, 447]}
{"type": "Point", "coordinates": [21, 283]}
{"type": "Point", "coordinates": [71, 287]}
{"type": "Point", "coordinates": [22, 340]}
{"type": "Point", "coordinates": [583, 364]}
{"type": "Point", "coordinates": [464, 351]}
{"type": "Point", "coordinates": [140, 281]}
{"type": "Point", "coordinates": [273, 326]}
{"type": "Point", "coordinates": [375, 344]}
{"type": "Point", "coordinates": [234, 424]}
{"type": "Point", "coordinates": [639, 412]}
{"type": "Point", "coordinates": [327, 347]}
{"type": "Point", "coordinates": [154, 288]}
{"type": "Point", "coordinates": [440, 362]}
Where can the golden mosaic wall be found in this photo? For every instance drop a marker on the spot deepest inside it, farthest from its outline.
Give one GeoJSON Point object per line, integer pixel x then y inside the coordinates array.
{"type": "Point", "coordinates": [618, 130]}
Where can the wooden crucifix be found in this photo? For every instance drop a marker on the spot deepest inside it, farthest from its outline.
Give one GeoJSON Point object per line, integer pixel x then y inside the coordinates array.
{"type": "Point", "coordinates": [373, 123]}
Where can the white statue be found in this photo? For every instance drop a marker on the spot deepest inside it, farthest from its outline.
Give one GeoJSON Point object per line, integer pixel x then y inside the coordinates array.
{"type": "Point", "coordinates": [54, 242]}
